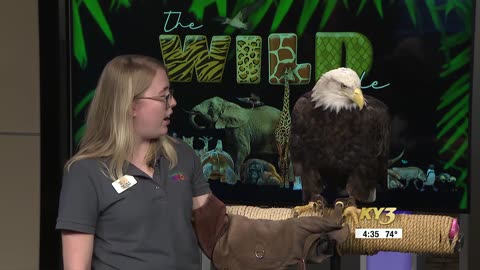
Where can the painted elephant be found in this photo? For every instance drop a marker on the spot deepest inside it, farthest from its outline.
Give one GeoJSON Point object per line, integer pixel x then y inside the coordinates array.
{"type": "Point", "coordinates": [247, 131]}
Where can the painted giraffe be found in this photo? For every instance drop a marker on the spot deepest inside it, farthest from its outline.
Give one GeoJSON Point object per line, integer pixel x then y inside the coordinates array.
{"type": "Point", "coordinates": [282, 130]}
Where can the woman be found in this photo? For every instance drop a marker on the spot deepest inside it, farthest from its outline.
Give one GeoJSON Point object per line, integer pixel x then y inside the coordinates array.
{"type": "Point", "coordinates": [130, 193]}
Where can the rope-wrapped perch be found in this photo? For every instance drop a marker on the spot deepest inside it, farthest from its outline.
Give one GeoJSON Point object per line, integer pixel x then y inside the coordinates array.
{"type": "Point", "coordinates": [422, 234]}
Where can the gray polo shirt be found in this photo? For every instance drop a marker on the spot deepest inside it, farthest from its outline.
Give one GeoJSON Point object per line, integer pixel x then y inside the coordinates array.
{"type": "Point", "coordinates": [146, 227]}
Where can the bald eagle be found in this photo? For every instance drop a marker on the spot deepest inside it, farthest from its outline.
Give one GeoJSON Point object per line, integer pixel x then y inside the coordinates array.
{"type": "Point", "coordinates": [339, 140]}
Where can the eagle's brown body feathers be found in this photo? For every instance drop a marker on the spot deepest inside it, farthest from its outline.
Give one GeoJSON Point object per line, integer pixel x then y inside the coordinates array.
{"type": "Point", "coordinates": [340, 151]}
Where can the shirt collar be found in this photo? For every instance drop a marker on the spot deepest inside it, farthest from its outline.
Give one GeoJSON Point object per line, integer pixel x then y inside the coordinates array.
{"type": "Point", "coordinates": [135, 171]}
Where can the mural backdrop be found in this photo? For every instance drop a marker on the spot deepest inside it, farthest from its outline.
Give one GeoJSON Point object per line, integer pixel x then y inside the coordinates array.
{"type": "Point", "coordinates": [228, 61]}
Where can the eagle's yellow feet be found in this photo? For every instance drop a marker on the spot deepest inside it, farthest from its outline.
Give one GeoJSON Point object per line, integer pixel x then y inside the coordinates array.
{"type": "Point", "coordinates": [338, 210]}
{"type": "Point", "coordinates": [311, 206]}
{"type": "Point", "coordinates": [352, 212]}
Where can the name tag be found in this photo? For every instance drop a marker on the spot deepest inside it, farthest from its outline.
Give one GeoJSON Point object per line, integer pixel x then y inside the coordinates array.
{"type": "Point", "coordinates": [124, 183]}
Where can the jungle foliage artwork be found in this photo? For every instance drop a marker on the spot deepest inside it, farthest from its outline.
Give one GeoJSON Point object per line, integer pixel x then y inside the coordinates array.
{"type": "Point", "coordinates": [238, 67]}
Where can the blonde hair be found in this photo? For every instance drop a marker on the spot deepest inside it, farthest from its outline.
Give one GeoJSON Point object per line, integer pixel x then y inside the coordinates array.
{"type": "Point", "coordinates": [109, 129]}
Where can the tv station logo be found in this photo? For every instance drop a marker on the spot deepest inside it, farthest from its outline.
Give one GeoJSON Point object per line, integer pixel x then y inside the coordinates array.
{"type": "Point", "coordinates": [374, 213]}
{"type": "Point", "coordinates": [366, 213]}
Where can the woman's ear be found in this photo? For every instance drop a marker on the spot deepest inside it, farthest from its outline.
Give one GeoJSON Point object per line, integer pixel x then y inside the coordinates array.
{"type": "Point", "coordinates": [134, 109]}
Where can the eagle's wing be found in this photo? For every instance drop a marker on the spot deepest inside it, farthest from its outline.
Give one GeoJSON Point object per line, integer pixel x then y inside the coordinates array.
{"type": "Point", "coordinates": [380, 126]}
{"type": "Point", "coordinates": [380, 136]}
{"type": "Point", "coordinates": [300, 131]}
{"type": "Point", "coordinates": [301, 115]}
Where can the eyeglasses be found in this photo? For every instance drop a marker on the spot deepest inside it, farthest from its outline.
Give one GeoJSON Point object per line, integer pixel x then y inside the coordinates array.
{"type": "Point", "coordinates": [165, 98]}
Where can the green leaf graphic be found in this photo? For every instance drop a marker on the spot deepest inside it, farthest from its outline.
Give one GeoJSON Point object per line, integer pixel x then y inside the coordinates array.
{"type": "Point", "coordinates": [460, 152]}
{"type": "Point", "coordinates": [94, 7]}
{"type": "Point", "coordinates": [83, 103]}
{"type": "Point", "coordinates": [458, 117]}
{"type": "Point", "coordinates": [459, 83]}
{"type": "Point", "coordinates": [411, 10]}
{"type": "Point", "coordinates": [360, 8]}
{"type": "Point", "coordinates": [222, 7]}
{"type": "Point", "coordinates": [116, 4]}
{"type": "Point", "coordinates": [434, 14]}
{"type": "Point", "coordinates": [457, 62]}
{"type": "Point", "coordinates": [327, 12]}
{"type": "Point", "coordinates": [308, 9]}
{"type": "Point", "coordinates": [258, 15]}
{"type": "Point", "coordinates": [454, 110]}
{"type": "Point", "coordinates": [451, 97]}
{"type": "Point", "coordinates": [282, 10]}
{"type": "Point", "coordinates": [198, 8]}
{"type": "Point", "coordinates": [79, 49]}
{"type": "Point", "coordinates": [378, 5]}
{"type": "Point", "coordinates": [79, 134]}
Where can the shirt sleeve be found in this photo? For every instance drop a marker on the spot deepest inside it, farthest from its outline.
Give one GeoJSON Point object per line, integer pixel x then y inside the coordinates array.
{"type": "Point", "coordinates": [78, 205]}
{"type": "Point", "coordinates": [200, 185]}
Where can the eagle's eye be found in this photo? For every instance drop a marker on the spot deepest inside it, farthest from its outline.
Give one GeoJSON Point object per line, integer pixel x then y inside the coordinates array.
{"type": "Point", "coordinates": [343, 86]}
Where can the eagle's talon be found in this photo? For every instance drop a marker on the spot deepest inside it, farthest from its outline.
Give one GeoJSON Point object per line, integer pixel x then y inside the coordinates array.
{"type": "Point", "coordinates": [340, 204]}
{"type": "Point", "coordinates": [353, 212]}
{"type": "Point", "coordinates": [311, 206]}
{"type": "Point", "coordinates": [338, 210]}
{"type": "Point", "coordinates": [318, 206]}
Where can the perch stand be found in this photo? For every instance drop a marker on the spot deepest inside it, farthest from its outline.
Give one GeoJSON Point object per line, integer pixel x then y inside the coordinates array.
{"type": "Point", "coordinates": [421, 234]}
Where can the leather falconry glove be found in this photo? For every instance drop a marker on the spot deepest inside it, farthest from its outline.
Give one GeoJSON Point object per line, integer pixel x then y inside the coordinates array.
{"type": "Point", "coordinates": [236, 242]}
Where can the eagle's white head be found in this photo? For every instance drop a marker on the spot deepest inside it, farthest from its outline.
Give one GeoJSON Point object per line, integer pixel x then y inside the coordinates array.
{"type": "Point", "coordinates": [338, 89]}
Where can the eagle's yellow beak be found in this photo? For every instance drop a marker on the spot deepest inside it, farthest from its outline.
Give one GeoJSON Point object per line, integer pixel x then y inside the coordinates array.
{"type": "Point", "coordinates": [357, 97]}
